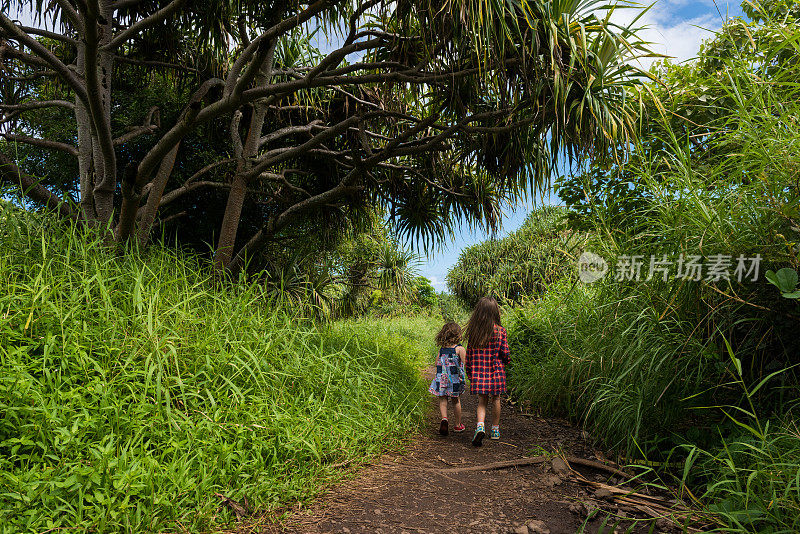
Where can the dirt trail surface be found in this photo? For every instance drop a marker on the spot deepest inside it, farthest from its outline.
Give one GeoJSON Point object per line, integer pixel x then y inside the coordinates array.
{"type": "Point", "coordinates": [430, 488]}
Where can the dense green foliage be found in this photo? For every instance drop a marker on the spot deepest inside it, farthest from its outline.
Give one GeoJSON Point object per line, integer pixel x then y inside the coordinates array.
{"type": "Point", "coordinates": [699, 371]}
{"type": "Point", "coordinates": [361, 271]}
{"type": "Point", "coordinates": [132, 391]}
{"type": "Point", "coordinates": [636, 349]}
{"type": "Point", "coordinates": [453, 308]}
{"type": "Point", "coordinates": [520, 265]}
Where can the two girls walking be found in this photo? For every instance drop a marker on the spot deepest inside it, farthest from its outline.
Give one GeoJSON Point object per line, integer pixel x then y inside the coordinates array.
{"type": "Point", "coordinates": [484, 362]}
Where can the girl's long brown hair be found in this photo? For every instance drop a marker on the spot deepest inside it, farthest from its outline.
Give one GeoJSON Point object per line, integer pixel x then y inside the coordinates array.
{"type": "Point", "coordinates": [480, 327]}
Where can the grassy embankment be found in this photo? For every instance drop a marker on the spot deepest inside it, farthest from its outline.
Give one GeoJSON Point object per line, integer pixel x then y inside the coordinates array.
{"type": "Point", "coordinates": [132, 391]}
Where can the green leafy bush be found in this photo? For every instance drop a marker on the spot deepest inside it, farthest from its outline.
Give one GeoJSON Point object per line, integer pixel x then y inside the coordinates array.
{"type": "Point", "coordinates": [453, 308]}
{"type": "Point", "coordinates": [751, 481]}
{"type": "Point", "coordinates": [361, 268]}
{"type": "Point", "coordinates": [424, 293]}
{"type": "Point", "coordinates": [133, 391]}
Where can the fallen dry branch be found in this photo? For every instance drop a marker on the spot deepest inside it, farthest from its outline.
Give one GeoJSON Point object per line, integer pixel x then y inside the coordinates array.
{"type": "Point", "coordinates": [596, 465]}
{"type": "Point", "coordinates": [652, 506]}
{"type": "Point", "coordinates": [504, 464]}
{"type": "Point", "coordinates": [617, 492]}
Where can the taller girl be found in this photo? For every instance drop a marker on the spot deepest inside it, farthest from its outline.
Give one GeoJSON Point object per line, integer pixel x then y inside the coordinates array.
{"type": "Point", "coordinates": [487, 356]}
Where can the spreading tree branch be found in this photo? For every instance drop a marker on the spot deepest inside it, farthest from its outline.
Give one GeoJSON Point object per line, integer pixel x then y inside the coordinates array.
{"type": "Point", "coordinates": [289, 130]}
{"type": "Point", "coordinates": [208, 168]}
{"type": "Point", "coordinates": [69, 77]}
{"type": "Point", "coordinates": [139, 26]}
{"type": "Point", "coordinates": [175, 194]}
{"type": "Point", "coordinates": [70, 14]}
{"type": "Point", "coordinates": [343, 188]}
{"type": "Point", "coordinates": [25, 106]}
{"type": "Point", "coordinates": [260, 239]}
{"type": "Point", "coordinates": [28, 59]}
{"type": "Point", "coordinates": [30, 77]}
{"type": "Point", "coordinates": [43, 143]}
{"type": "Point", "coordinates": [50, 35]}
{"type": "Point", "coordinates": [30, 186]}
{"type": "Point", "coordinates": [282, 154]}
{"type": "Point", "coordinates": [278, 29]}
{"type": "Point", "coordinates": [154, 63]}
{"type": "Point", "coordinates": [149, 126]}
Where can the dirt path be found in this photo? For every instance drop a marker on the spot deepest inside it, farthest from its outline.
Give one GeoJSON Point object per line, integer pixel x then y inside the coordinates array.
{"type": "Point", "coordinates": [420, 491]}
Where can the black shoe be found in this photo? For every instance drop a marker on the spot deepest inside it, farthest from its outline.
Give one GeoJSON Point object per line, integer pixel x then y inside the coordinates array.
{"type": "Point", "coordinates": [477, 440]}
{"type": "Point", "coordinates": [443, 427]}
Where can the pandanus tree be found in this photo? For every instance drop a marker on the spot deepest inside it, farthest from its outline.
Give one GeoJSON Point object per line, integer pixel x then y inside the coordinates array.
{"type": "Point", "coordinates": [522, 265]}
{"type": "Point", "coordinates": [432, 111]}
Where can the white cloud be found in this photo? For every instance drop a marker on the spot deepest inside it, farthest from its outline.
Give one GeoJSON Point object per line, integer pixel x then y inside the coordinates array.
{"type": "Point", "coordinates": [672, 34]}
{"type": "Point", "coordinates": [438, 285]}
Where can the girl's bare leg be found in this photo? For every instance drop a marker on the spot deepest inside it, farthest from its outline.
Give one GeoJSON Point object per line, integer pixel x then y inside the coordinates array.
{"type": "Point", "coordinates": [457, 410]}
{"type": "Point", "coordinates": [443, 406]}
{"type": "Point", "coordinates": [482, 399]}
{"type": "Point", "coordinates": [495, 410]}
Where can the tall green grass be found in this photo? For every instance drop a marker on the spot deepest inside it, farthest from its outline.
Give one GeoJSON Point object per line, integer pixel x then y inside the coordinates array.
{"type": "Point", "coordinates": [132, 391]}
{"type": "Point", "coordinates": [647, 365]}
{"type": "Point", "coordinates": [751, 481]}
{"type": "Point", "coordinates": [618, 369]}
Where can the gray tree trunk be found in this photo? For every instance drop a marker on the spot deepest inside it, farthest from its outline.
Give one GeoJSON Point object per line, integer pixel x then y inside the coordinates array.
{"type": "Point", "coordinates": [238, 191]}
{"type": "Point", "coordinates": [85, 151]}
{"type": "Point", "coordinates": [154, 198]}
{"type": "Point", "coordinates": [105, 164]}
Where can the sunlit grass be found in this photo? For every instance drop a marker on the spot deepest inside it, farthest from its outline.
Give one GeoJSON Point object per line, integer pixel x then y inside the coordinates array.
{"type": "Point", "coordinates": [133, 391]}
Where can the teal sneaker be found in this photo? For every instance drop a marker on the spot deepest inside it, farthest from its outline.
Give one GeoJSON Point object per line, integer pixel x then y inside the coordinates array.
{"type": "Point", "coordinates": [495, 432]}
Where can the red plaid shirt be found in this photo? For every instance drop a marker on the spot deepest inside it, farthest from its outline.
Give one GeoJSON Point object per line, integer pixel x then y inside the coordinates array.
{"type": "Point", "coordinates": [486, 367]}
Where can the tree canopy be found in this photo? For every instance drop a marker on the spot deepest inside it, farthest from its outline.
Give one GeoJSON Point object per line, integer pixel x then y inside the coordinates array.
{"type": "Point", "coordinates": [141, 114]}
{"type": "Point", "coordinates": [696, 105]}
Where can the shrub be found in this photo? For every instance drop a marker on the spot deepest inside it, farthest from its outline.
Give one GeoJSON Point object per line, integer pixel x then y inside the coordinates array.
{"type": "Point", "coordinates": [453, 308]}
{"type": "Point", "coordinates": [425, 294]}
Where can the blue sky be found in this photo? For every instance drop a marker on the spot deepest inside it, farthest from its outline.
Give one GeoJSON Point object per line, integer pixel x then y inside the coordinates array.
{"type": "Point", "coordinates": [675, 28]}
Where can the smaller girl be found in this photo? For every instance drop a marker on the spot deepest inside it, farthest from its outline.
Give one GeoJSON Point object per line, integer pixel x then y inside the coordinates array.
{"type": "Point", "coordinates": [449, 381]}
